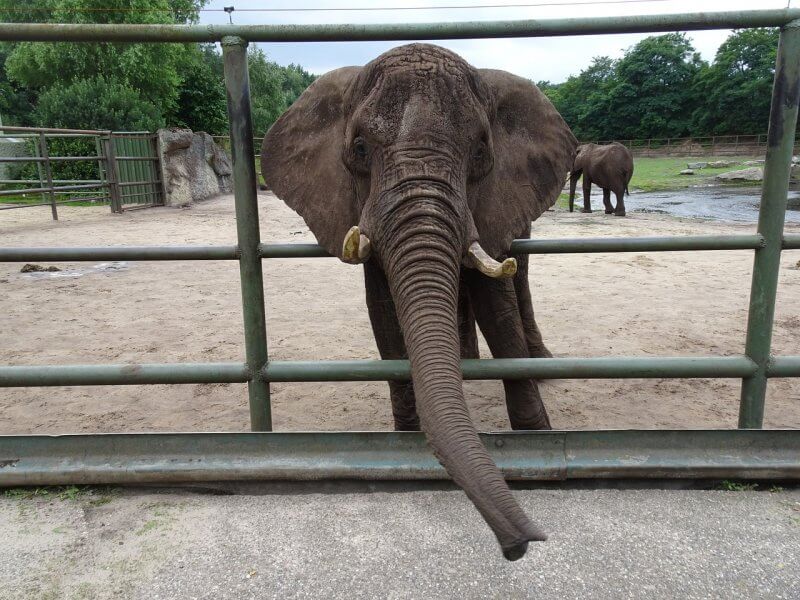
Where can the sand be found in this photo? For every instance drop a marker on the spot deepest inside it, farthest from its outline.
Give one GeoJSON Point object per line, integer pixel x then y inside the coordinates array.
{"type": "Point", "coordinates": [634, 304]}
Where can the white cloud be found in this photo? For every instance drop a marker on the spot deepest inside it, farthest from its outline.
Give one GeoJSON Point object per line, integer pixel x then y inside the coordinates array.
{"type": "Point", "coordinates": [552, 59]}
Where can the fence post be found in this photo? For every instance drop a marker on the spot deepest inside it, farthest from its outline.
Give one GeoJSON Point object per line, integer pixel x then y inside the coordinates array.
{"type": "Point", "coordinates": [771, 214]}
{"type": "Point", "coordinates": [48, 174]}
{"type": "Point", "coordinates": [237, 82]}
{"type": "Point", "coordinates": [112, 174]}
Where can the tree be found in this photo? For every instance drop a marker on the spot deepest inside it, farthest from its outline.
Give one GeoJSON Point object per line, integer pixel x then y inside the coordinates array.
{"type": "Point", "coordinates": [737, 88]}
{"type": "Point", "coordinates": [653, 95]}
{"type": "Point", "coordinates": [201, 103]}
{"type": "Point", "coordinates": [583, 100]}
{"type": "Point", "coordinates": [149, 71]}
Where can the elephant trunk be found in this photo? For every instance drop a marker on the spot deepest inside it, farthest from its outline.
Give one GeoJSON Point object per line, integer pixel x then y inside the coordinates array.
{"type": "Point", "coordinates": [421, 255]}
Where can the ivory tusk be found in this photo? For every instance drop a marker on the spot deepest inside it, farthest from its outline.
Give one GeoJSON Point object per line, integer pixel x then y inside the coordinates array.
{"type": "Point", "coordinates": [489, 266]}
{"type": "Point", "coordinates": [356, 246]}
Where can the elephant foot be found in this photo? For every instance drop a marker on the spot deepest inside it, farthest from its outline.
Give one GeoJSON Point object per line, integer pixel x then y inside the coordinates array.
{"type": "Point", "coordinates": [619, 214]}
{"type": "Point", "coordinates": [515, 552]}
{"type": "Point", "coordinates": [583, 210]}
{"type": "Point", "coordinates": [609, 212]}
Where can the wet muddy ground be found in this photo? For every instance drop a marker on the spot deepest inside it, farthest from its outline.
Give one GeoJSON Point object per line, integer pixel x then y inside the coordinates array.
{"type": "Point", "coordinates": [718, 203]}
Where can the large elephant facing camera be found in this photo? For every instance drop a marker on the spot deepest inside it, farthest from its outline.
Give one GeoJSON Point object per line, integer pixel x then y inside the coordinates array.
{"type": "Point", "coordinates": [425, 169]}
{"type": "Point", "coordinates": [608, 166]}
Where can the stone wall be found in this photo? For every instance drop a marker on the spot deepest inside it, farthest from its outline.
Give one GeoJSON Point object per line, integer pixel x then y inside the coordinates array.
{"type": "Point", "coordinates": [193, 167]}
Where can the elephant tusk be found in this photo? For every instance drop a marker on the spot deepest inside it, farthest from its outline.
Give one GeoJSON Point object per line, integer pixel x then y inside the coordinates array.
{"type": "Point", "coordinates": [489, 266]}
{"type": "Point", "coordinates": [356, 246]}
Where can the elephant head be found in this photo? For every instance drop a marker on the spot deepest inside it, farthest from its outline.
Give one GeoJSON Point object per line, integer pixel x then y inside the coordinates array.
{"type": "Point", "coordinates": [423, 163]}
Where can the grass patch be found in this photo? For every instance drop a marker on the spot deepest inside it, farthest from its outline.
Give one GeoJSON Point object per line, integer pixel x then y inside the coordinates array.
{"type": "Point", "coordinates": [737, 486]}
{"type": "Point", "coordinates": [659, 174]}
{"type": "Point", "coordinates": [96, 496]}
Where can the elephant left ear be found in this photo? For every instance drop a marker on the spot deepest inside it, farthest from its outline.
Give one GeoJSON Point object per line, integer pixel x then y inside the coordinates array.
{"type": "Point", "coordinates": [533, 151]}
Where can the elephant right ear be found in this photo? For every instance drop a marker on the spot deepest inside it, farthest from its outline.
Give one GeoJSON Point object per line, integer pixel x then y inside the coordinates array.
{"type": "Point", "coordinates": [301, 159]}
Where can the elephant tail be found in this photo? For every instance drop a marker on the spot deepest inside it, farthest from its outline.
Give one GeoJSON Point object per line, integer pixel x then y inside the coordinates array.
{"type": "Point", "coordinates": [627, 193]}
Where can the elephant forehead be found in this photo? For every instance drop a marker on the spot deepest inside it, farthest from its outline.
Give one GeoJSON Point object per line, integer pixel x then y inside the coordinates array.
{"type": "Point", "coordinates": [424, 60]}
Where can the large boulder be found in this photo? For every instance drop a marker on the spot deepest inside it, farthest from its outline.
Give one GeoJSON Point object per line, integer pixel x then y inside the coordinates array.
{"type": "Point", "coordinates": [721, 164]}
{"type": "Point", "coordinates": [751, 174]}
{"type": "Point", "coordinates": [193, 167]}
{"type": "Point", "coordinates": [687, 172]}
{"type": "Point", "coordinates": [795, 172]}
{"type": "Point", "coordinates": [696, 165]}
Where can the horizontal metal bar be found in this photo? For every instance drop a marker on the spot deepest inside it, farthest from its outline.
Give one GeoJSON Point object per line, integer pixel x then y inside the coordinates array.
{"type": "Point", "coordinates": [132, 374]}
{"type": "Point", "coordinates": [7, 181]}
{"type": "Point", "coordinates": [292, 251]}
{"type": "Point", "coordinates": [542, 455]}
{"type": "Point", "coordinates": [638, 244]}
{"type": "Point", "coordinates": [791, 242]}
{"type": "Point", "coordinates": [62, 188]}
{"type": "Point", "coordinates": [38, 130]}
{"type": "Point", "coordinates": [118, 253]}
{"type": "Point", "coordinates": [784, 366]}
{"type": "Point", "coordinates": [27, 159]}
{"type": "Point", "coordinates": [142, 158]}
{"type": "Point", "coordinates": [53, 32]}
{"type": "Point", "coordinates": [58, 203]}
{"type": "Point", "coordinates": [132, 183]}
{"type": "Point", "coordinates": [519, 368]}
{"type": "Point", "coordinates": [557, 246]}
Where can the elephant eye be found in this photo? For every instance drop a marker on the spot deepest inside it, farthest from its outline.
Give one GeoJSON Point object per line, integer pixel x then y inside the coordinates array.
{"type": "Point", "coordinates": [360, 147]}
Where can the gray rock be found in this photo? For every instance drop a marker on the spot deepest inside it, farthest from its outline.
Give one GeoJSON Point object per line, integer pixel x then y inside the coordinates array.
{"type": "Point", "coordinates": [193, 166]}
{"type": "Point", "coordinates": [687, 172]}
{"type": "Point", "coordinates": [696, 165]}
{"type": "Point", "coordinates": [751, 174]}
{"type": "Point", "coordinates": [795, 160]}
{"type": "Point", "coordinates": [753, 163]}
{"type": "Point", "coordinates": [720, 164]}
{"type": "Point", "coordinates": [795, 172]}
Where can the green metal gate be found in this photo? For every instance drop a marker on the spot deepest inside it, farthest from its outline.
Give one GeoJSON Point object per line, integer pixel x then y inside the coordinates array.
{"type": "Point", "coordinates": [135, 180]}
{"type": "Point", "coordinates": [116, 458]}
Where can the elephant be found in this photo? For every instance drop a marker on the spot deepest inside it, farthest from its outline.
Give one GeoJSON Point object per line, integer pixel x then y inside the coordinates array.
{"type": "Point", "coordinates": [424, 169]}
{"type": "Point", "coordinates": [609, 166]}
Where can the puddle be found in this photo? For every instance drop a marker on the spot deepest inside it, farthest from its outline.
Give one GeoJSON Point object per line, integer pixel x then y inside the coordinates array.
{"type": "Point", "coordinates": [716, 203]}
{"type": "Point", "coordinates": [105, 267]}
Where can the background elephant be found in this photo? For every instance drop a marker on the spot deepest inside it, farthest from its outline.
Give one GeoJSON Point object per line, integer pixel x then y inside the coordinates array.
{"type": "Point", "coordinates": [610, 167]}
{"type": "Point", "coordinates": [424, 169]}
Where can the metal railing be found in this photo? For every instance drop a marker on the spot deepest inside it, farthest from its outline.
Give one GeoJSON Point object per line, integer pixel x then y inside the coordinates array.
{"type": "Point", "coordinates": [126, 164]}
{"type": "Point", "coordinates": [746, 452]}
{"type": "Point", "coordinates": [716, 145]}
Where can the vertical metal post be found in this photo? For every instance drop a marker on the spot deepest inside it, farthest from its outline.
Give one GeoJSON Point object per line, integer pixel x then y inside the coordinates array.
{"type": "Point", "coordinates": [780, 138]}
{"type": "Point", "coordinates": [48, 174]}
{"type": "Point", "coordinates": [112, 174]}
{"type": "Point", "coordinates": [237, 83]}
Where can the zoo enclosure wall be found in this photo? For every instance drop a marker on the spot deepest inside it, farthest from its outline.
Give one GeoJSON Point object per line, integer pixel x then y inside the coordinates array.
{"type": "Point", "coordinates": [746, 452]}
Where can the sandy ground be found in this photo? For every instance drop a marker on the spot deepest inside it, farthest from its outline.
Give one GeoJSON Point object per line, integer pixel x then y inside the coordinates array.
{"type": "Point", "coordinates": [691, 303]}
{"type": "Point", "coordinates": [429, 543]}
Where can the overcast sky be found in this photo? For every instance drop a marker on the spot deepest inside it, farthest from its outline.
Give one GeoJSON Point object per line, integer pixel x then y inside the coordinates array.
{"type": "Point", "coordinates": [552, 59]}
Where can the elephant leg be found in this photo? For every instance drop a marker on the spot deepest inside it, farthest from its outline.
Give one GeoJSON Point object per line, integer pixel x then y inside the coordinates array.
{"type": "Point", "coordinates": [573, 182]}
{"type": "Point", "coordinates": [620, 212]}
{"type": "Point", "coordinates": [494, 302]}
{"type": "Point", "coordinates": [607, 201]}
{"type": "Point", "coordinates": [587, 194]}
{"type": "Point", "coordinates": [533, 337]}
{"type": "Point", "coordinates": [389, 339]}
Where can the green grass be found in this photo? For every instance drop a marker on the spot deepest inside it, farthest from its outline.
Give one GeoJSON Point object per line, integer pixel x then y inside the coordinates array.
{"type": "Point", "coordinates": [659, 174]}
{"type": "Point", "coordinates": [95, 495]}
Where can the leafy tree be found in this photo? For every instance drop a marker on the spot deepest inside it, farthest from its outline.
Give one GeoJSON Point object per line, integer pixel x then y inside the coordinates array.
{"type": "Point", "coordinates": [201, 103]}
{"type": "Point", "coordinates": [737, 88]}
{"type": "Point", "coordinates": [653, 95]}
{"type": "Point", "coordinates": [150, 71]}
{"type": "Point", "coordinates": [583, 99]}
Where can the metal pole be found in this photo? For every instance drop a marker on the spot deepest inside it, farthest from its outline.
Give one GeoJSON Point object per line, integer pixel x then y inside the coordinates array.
{"type": "Point", "coordinates": [112, 174]}
{"type": "Point", "coordinates": [237, 82]}
{"type": "Point", "coordinates": [48, 174]}
{"type": "Point", "coordinates": [780, 138]}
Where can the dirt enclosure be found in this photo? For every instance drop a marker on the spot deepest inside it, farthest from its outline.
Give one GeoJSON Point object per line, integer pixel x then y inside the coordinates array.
{"type": "Point", "coordinates": [634, 304]}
